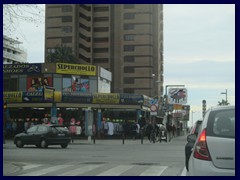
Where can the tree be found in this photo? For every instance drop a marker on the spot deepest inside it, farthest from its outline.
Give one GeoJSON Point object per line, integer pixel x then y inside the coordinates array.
{"type": "Point", "coordinates": [223, 103]}
{"type": "Point", "coordinates": [61, 54]}
{"type": "Point", "coordinates": [14, 14]}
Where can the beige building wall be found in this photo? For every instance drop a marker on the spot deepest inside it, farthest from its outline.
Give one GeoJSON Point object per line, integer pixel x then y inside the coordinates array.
{"type": "Point", "coordinates": [124, 39]}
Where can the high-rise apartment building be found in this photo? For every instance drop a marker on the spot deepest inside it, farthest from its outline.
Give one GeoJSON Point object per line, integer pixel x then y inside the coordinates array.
{"type": "Point", "coordinates": [126, 39]}
{"type": "Point", "coordinates": [13, 52]}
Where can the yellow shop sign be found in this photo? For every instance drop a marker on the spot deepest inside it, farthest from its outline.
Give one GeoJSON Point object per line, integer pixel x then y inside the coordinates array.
{"type": "Point", "coordinates": [77, 69]}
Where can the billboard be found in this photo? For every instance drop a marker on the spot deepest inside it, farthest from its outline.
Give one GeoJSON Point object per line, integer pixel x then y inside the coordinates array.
{"type": "Point", "coordinates": [177, 96]}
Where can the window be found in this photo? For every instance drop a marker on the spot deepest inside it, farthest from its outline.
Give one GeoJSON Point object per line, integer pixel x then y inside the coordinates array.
{"type": "Point", "coordinates": [128, 48]}
{"type": "Point", "coordinates": [129, 37]}
{"type": "Point", "coordinates": [99, 40]}
{"type": "Point", "coordinates": [67, 29]}
{"type": "Point", "coordinates": [222, 123]}
{"type": "Point", "coordinates": [100, 9]}
{"type": "Point", "coordinates": [100, 50]}
{"type": "Point", "coordinates": [129, 16]}
{"type": "Point", "coordinates": [101, 29]}
{"type": "Point", "coordinates": [101, 19]}
{"type": "Point", "coordinates": [128, 80]}
{"type": "Point", "coordinates": [129, 58]}
{"type": "Point", "coordinates": [100, 60]}
{"type": "Point", "coordinates": [42, 129]}
{"type": "Point", "coordinates": [66, 39]}
{"type": "Point", "coordinates": [66, 9]}
{"type": "Point", "coordinates": [32, 129]}
{"type": "Point", "coordinates": [128, 26]}
{"type": "Point", "coordinates": [128, 69]}
{"type": "Point", "coordinates": [67, 19]}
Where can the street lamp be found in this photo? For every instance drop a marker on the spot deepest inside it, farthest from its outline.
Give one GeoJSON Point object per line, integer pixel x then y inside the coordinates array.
{"type": "Point", "coordinates": [192, 117]}
{"type": "Point", "coordinates": [226, 96]}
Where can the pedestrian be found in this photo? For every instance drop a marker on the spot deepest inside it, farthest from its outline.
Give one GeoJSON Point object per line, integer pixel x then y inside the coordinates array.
{"type": "Point", "coordinates": [60, 119]}
{"type": "Point", "coordinates": [173, 130]}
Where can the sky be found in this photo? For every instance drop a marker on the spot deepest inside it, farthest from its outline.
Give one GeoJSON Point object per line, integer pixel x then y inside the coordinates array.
{"type": "Point", "coordinates": [199, 51]}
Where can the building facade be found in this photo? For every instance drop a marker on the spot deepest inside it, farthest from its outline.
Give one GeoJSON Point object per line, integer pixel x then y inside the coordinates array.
{"type": "Point", "coordinates": [13, 53]}
{"type": "Point", "coordinates": [125, 39]}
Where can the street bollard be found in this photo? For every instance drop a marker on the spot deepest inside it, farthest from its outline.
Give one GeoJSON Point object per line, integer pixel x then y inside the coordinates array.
{"type": "Point", "coordinates": [123, 138]}
{"type": "Point", "coordinates": [141, 136]}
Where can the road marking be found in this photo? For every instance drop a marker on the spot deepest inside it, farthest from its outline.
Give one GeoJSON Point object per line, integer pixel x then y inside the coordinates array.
{"type": "Point", "coordinates": [154, 171]}
{"type": "Point", "coordinates": [46, 170]}
{"type": "Point", "coordinates": [116, 171]}
{"type": "Point", "coordinates": [26, 167]}
{"type": "Point", "coordinates": [184, 172]}
{"type": "Point", "coordinates": [80, 170]}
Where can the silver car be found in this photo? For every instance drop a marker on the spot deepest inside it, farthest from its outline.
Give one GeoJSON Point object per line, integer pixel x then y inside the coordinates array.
{"type": "Point", "coordinates": [213, 153]}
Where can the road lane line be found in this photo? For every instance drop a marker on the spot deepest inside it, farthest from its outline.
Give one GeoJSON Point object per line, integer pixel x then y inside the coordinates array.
{"type": "Point", "coordinates": [116, 171]}
{"type": "Point", "coordinates": [154, 171]}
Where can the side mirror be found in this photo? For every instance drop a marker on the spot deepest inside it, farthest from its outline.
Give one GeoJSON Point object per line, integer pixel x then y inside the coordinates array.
{"type": "Point", "coordinates": [191, 138]}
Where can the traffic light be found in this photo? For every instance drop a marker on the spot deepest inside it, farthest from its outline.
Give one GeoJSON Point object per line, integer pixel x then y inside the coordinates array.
{"type": "Point", "coordinates": [4, 106]}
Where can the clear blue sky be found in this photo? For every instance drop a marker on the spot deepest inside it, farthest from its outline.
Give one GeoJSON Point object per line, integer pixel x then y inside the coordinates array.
{"type": "Point", "coordinates": [199, 50]}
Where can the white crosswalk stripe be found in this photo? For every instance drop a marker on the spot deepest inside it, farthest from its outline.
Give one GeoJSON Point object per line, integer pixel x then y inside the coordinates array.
{"type": "Point", "coordinates": [94, 169]}
{"type": "Point", "coordinates": [154, 171]}
{"type": "Point", "coordinates": [80, 170]}
{"type": "Point", "coordinates": [116, 171]}
{"type": "Point", "coordinates": [46, 170]}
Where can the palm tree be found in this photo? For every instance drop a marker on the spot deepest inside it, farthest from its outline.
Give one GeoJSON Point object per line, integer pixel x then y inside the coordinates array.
{"type": "Point", "coordinates": [61, 54]}
{"type": "Point", "coordinates": [223, 103]}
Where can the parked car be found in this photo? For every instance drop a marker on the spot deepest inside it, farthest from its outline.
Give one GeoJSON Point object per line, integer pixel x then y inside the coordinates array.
{"type": "Point", "coordinates": [189, 145]}
{"type": "Point", "coordinates": [43, 135]}
{"type": "Point", "coordinates": [214, 148]}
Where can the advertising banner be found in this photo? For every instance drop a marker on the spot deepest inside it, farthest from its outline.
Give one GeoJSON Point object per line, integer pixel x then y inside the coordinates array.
{"type": "Point", "coordinates": [106, 98]}
{"type": "Point", "coordinates": [37, 83]}
{"type": "Point", "coordinates": [13, 97]}
{"type": "Point", "coordinates": [22, 68]}
{"type": "Point", "coordinates": [78, 69]}
{"type": "Point", "coordinates": [177, 96]}
{"type": "Point", "coordinates": [32, 96]}
{"type": "Point", "coordinates": [48, 94]}
{"type": "Point", "coordinates": [76, 97]}
{"type": "Point", "coordinates": [131, 99]}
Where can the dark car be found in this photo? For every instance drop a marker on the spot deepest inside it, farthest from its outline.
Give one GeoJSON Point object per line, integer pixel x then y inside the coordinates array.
{"type": "Point", "coordinates": [43, 135]}
{"type": "Point", "coordinates": [189, 145]}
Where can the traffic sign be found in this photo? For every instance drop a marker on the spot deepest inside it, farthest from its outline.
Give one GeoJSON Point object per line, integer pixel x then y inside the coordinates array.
{"type": "Point", "coordinates": [153, 108]}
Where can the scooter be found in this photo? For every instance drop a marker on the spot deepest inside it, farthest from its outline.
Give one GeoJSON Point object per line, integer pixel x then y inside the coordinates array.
{"type": "Point", "coordinates": [163, 136]}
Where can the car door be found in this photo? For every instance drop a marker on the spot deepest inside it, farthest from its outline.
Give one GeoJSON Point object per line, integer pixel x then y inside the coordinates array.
{"type": "Point", "coordinates": [30, 135]}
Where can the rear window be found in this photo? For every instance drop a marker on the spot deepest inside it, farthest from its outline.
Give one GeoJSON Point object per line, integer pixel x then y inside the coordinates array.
{"type": "Point", "coordinates": [221, 124]}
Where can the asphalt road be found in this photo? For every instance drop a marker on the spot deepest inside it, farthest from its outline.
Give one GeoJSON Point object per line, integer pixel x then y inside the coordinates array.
{"type": "Point", "coordinates": [104, 158]}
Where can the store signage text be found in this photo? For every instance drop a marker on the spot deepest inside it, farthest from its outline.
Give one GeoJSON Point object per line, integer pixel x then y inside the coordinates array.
{"type": "Point", "coordinates": [64, 68]}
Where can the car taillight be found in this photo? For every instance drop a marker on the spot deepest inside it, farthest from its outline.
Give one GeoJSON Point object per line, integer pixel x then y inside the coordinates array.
{"type": "Point", "coordinates": [201, 149]}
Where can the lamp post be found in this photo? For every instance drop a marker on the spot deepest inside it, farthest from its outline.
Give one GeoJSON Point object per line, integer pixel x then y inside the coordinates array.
{"type": "Point", "coordinates": [226, 96]}
{"type": "Point", "coordinates": [192, 117]}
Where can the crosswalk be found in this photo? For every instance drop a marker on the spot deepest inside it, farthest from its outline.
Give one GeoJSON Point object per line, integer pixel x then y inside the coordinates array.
{"type": "Point", "coordinates": [104, 169]}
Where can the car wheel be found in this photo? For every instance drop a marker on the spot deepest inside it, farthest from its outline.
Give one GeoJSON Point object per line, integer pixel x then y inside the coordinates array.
{"type": "Point", "coordinates": [43, 143]}
{"type": "Point", "coordinates": [64, 145]}
{"type": "Point", "coordinates": [19, 143]}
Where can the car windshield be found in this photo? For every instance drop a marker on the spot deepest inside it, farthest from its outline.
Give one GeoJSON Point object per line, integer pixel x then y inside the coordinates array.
{"type": "Point", "coordinates": [222, 123]}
